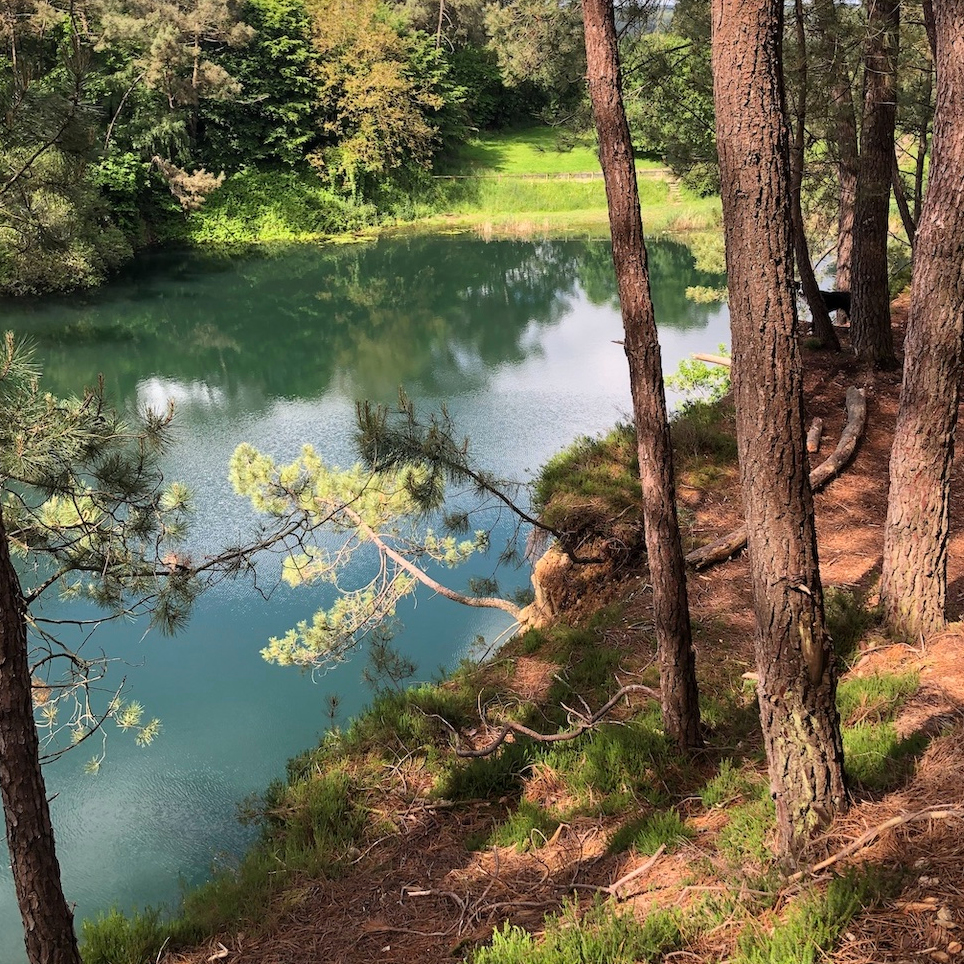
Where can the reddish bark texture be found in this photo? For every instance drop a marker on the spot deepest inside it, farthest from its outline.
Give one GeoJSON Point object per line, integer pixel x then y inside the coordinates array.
{"type": "Point", "coordinates": [48, 922]}
{"type": "Point", "coordinates": [797, 681]}
{"type": "Point", "coordinates": [870, 333]}
{"type": "Point", "coordinates": [914, 578]}
{"type": "Point", "coordinates": [678, 687]}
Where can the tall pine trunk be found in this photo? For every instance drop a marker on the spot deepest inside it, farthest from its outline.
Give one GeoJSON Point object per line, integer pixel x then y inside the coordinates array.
{"type": "Point", "coordinates": [844, 134]}
{"type": "Point", "coordinates": [914, 578]}
{"type": "Point", "coordinates": [822, 326]}
{"type": "Point", "coordinates": [48, 922]}
{"type": "Point", "coordinates": [797, 680]}
{"type": "Point", "coordinates": [680, 703]}
{"type": "Point", "coordinates": [871, 336]}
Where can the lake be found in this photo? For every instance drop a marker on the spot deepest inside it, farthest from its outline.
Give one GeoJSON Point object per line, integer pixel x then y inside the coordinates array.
{"type": "Point", "coordinates": [518, 339]}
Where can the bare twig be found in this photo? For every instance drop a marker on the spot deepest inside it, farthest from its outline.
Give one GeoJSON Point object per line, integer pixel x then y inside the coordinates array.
{"type": "Point", "coordinates": [937, 812]}
{"type": "Point", "coordinates": [638, 872]}
{"type": "Point", "coordinates": [583, 723]}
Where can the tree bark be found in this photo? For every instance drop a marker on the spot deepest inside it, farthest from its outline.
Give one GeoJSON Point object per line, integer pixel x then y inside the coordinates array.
{"type": "Point", "coordinates": [871, 336]}
{"type": "Point", "coordinates": [47, 920]}
{"type": "Point", "coordinates": [914, 576]}
{"type": "Point", "coordinates": [822, 326]}
{"type": "Point", "coordinates": [678, 688]}
{"type": "Point", "coordinates": [844, 135]}
{"type": "Point", "coordinates": [797, 679]}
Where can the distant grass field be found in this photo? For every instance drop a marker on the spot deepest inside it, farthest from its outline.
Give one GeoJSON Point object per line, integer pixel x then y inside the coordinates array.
{"type": "Point", "coordinates": [529, 151]}
{"type": "Point", "coordinates": [520, 183]}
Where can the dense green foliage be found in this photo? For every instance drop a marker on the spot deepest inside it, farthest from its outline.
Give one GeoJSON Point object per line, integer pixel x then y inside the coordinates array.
{"type": "Point", "coordinates": [122, 116]}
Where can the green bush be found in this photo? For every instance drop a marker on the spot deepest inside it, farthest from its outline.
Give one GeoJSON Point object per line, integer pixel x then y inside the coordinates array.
{"type": "Point", "coordinates": [257, 207]}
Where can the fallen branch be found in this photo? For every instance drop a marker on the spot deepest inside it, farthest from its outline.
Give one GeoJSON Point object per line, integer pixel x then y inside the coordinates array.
{"type": "Point", "coordinates": [583, 723]}
{"type": "Point", "coordinates": [721, 360]}
{"type": "Point", "coordinates": [730, 544]}
{"type": "Point", "coordinates": [937, 812]}
{"type": "Point", "coordinates": [637, 873]}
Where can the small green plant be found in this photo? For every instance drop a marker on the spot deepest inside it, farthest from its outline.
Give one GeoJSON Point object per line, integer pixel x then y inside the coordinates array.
{"type": "Point", "coordinates": [116, 938]}
{"type": "Point", "coordinates": [615, 766]}
{"type": "Point", "coordinates": [876, 758]}
{"type": "Point", "coordinates": [848, 620]}
{"type": "Point", "coordinates": [746, 838]}
{"type": "Point", "coordinates": [492, 776]}
{"type": "Point", "coordinates": [699, 381]}
{"type": "Point", "coordinates": [665, 828]}
{"type": "Point", "coordinates": [729, 784]}
{"type": "Point", "coordinates": [876, 698]}
{"type": "Point", "coordinates": [600, 936]}
{"type": "Point", "coordinates": [703, 434]}
{"type": "Point", "coordinates": [529, 826]}
{"type": "Point", "coordinates": [812, 926]}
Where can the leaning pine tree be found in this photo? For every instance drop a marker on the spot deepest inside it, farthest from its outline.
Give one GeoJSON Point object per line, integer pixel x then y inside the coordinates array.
{"type": "Point", "coordinates": [797, 680]}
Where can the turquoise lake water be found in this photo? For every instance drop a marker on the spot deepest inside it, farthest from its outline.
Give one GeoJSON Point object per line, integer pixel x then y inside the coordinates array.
{"type": "Point", "coordinates": [518, 339]}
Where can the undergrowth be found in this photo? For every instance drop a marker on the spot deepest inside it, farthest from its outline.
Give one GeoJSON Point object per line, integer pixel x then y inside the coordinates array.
{"type": "Point", "coordinates": [598, 936]}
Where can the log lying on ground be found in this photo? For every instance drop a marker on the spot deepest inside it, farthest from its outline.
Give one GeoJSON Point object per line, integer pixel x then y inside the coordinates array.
{"type": "Point", "coordinates": [734, 541]}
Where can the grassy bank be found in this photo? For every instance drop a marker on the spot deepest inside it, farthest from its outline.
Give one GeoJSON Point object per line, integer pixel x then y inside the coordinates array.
{"type": "Point", "coordinates": [511, 856]}
{"type": "Point", "coordinates": [514, 184]}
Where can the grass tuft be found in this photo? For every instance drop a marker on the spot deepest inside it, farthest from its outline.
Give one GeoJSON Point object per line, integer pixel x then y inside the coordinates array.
{"type": "Point", "coordinates": [599, 936]}
{"type": "Point", "coordinates": [647, 835]}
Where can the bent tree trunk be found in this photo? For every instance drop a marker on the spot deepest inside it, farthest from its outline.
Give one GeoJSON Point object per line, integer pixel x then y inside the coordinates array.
{"type": "Point", "coordinates": [677, 663]}
{"type": "Point", "coordinates": [47, 921]}
{"type": "Point", "coordinates": [913, 587]}
{"type": "Point", "coordinates": [870, 329]}
{"type": "Point", "coordinates": [797, 679]}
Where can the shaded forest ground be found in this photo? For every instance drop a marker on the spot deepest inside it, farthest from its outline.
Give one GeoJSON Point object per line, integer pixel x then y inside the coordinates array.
{"type": "Point", "coordinates": [435, 878]}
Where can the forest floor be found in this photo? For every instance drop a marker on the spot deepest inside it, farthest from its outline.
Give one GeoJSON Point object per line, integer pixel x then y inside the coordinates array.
{"type": "Point", "coordinates": [419, 893]}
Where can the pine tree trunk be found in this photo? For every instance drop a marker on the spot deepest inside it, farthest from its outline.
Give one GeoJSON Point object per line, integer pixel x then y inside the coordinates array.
{"type": "Point", "coordinates": [822, 326]}
{"type": "Point", "coordinates": [797, 681]}
{"type": "Point", "coordinates": [844, 135]}
{"type": "Point", "coordinates": [48, 922]}
{"type": "Point", "coordinates": [914, 576]}
{"type": "Point", "coordinates": [871, 336]}
{"type": "Point", "coordinates": [680, 703]}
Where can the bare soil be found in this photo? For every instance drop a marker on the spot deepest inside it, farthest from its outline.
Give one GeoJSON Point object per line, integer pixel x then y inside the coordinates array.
{"type": "Point", "coordinates": [417, 894]}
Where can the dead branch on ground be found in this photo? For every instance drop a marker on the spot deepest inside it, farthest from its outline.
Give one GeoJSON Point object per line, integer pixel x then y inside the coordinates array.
{"type": "Point", "coordinates": [937, 812]}
{"type": "Point", "coordinates": [730, 544]}
{"type": "Point", "coordinates": [582, 723]}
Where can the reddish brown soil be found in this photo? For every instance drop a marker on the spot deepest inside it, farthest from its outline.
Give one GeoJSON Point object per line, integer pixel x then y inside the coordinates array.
{"type": "Point", "coordinates": [418, 895]}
